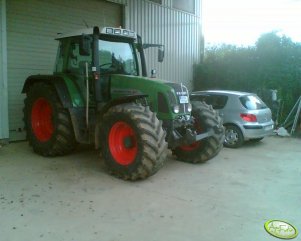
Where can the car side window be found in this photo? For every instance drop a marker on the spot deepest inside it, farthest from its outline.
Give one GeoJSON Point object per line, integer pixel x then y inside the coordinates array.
{"type": "Point", "coordinates": [218, 101]}
{"type": "Point", "coordinates": [252, 102]}
{"type": "Point", "coordinates": [199, 98]}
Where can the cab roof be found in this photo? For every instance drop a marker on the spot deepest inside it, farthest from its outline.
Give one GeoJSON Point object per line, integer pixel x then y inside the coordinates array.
{"type": "Point", "coordinates": [75, 33]}
{"type": "Point", "coordinates": [106, 30]}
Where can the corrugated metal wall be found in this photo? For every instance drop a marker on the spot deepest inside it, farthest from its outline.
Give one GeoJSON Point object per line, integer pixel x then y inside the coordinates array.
{"type": "Point", "coordinates": [32, 26]}
{"type": "Point", "coordinates": [3, 74]}
{"type": "Point", "coordinates": [179, 31]}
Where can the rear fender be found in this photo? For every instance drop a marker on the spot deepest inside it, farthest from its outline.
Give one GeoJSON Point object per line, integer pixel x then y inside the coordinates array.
{"type": "Point", "coordinates": [62, 91]}
{"type": "Point", "coordinates": [56, 81]}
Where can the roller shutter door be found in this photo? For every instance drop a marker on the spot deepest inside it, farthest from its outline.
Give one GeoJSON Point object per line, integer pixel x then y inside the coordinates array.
{"type": "Point", "coordinates": [32, 26]}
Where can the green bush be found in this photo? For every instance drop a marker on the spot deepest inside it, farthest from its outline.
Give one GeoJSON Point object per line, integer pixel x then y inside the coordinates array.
{"type": "Point", "coordinates": [273, 63]}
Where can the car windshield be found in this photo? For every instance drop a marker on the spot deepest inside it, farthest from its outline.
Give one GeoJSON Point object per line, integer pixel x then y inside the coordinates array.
{"type": "Point", "coordinates": [252, 102]}
{"type": "Point", "coordinates": [116, 57]}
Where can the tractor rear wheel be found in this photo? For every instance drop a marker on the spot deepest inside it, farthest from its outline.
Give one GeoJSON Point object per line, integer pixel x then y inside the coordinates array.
{"type": "Point", "coordinates": [48, 124]}
{"type": "Point", "coordinates": [206, 119]}
{"type": "Point", "coordinates": [133, 145]}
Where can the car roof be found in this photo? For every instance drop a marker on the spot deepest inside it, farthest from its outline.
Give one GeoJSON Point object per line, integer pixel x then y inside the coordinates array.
{"type": "Point", "coordinates": [224, 92]}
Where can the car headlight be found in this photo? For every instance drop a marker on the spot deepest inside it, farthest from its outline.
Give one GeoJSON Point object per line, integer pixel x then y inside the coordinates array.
{"type": "Point", "coordinates": [189, 107]}
{"type": "Point", "coordinates": [176, 109]}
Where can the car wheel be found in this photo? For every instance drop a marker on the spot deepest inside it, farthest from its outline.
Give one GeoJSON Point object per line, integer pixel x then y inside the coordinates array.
{"type": "Point", "coordinates": [233, 137]}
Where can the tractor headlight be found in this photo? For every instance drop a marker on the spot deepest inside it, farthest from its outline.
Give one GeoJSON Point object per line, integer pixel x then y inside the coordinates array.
{"type": "Point", "coordinates": [176, 109]}
{"type": "Point", "coordinates": [189, 107]}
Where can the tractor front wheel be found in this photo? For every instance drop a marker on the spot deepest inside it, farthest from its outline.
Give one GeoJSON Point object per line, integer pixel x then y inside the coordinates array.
{"type": "Point", "coordinates": [206, 119]}
{"type": "Point", "coordinates": [48, 124]}
{"type": "Point", "coordinates": [133, 145]}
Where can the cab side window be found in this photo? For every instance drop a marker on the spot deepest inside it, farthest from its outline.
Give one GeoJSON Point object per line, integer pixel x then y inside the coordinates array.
{"type": "Point", "coordinates": [77, 62]}
{"type": "Point", "coordinates": [59, 66]}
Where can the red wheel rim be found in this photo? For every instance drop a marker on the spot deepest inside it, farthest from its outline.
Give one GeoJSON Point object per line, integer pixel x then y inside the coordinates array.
{"type": "Point", "coordinates": [191, 147]}
{"type": "Point", "coordinates": [194, 145]}
{"type": "Point", "coordinates": [41, 119]}
{"type": "Point", "coordinates": [123, 143]}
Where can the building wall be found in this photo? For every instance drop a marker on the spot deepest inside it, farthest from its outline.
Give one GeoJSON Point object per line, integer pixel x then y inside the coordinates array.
{"type": "Point", "coordinates": [179, 31]}
{"type": "Point", "coordinates": [32, 25]}
{"type": "Point", "coordinates": [3, 75]}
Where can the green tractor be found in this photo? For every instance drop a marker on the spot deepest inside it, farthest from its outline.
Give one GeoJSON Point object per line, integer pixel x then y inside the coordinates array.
{"type": "Point", "coordinates": [100, 94]}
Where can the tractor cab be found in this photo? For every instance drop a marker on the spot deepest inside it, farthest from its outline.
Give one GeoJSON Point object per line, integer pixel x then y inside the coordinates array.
{"type": "Point", "coordinates": [88, 54]}
{"type": "Point", "coordinates": [113, 50]}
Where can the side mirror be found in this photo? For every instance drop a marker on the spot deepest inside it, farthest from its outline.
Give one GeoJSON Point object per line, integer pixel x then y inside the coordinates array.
{"type": "Point", "coordinates": [85, 45]}
{"type": "Point", "coordinates": [161, 54]}
{"type": "Point", "coordinates": [160, 50]}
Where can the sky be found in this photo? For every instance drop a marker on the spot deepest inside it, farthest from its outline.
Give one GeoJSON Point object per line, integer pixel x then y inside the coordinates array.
{"type": "Point", "coordinates": [241, 22]}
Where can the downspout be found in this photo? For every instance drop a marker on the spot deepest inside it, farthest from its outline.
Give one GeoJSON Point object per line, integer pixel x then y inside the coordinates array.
{"type": "Point", "coordinates": [4, 129]}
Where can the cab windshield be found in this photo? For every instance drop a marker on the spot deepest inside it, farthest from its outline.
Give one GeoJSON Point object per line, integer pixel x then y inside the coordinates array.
{"type": "Point", "coordinates": [117, 57]}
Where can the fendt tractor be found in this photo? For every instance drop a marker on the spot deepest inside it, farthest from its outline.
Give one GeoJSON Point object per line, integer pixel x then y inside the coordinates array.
{"type": "Point", "coordinates": [100, 94]}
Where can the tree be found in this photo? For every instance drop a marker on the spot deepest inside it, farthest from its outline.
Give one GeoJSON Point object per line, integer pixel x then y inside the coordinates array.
{"type": "Point", "coordinates": [273, 63]}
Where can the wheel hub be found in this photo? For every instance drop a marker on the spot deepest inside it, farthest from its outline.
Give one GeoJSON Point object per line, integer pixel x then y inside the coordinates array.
{"type": "Point", "coordinates": [128, 142]}
{"type": "Point", "coordinates": [231, 136]}
{"type": "Point", "coordinates": [197, 144]}
{"type": "Point", "coordinates": [123, 143]}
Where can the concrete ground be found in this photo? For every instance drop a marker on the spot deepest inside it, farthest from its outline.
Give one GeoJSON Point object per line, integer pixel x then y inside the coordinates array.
{"type": "Point", "coordinates": [228, 198]}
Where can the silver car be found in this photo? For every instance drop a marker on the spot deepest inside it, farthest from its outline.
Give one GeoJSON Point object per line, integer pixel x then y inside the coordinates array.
{"type": "Point", "coordinates": [245, 116]}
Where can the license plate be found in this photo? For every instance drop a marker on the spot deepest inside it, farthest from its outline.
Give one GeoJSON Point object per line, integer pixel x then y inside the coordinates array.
{"type": "Point", "coordinates": [183, 99]}
{"type": "Point", "coordinates": [268, 128]}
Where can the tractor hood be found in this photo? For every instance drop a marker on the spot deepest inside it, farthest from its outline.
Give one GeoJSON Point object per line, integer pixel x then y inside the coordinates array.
{"type": "Point", "coordinates": [162, 95]}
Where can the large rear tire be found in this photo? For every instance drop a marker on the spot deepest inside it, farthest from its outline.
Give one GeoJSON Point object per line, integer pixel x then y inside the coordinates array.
{"type": "Point", "coordinates": [48, 124]}
{"type": "Point", "coordinates": [133, 145]}
{"type": "Point", "coordinates": [206, 119]}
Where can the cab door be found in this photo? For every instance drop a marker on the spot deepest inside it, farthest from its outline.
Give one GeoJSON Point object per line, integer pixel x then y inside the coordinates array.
{"type": "Point", "coordinates": [78, 67]}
